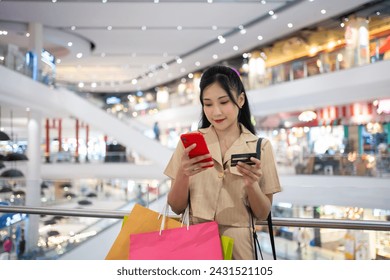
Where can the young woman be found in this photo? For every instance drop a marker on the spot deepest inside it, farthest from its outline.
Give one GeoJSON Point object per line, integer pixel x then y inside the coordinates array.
{"type": "Point", "coordinates": [229, 195]}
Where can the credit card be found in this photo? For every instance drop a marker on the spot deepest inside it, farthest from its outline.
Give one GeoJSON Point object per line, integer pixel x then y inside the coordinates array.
{"type": "Point", "coordinates": [245, 158]}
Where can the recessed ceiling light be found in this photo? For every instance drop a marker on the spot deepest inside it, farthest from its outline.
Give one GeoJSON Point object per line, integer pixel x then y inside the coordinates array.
{"type": "Point", "coordinates": [197, 63]}
{"type": "Point", "coordinates": [274, 16]}
{"type": "Point", "coordinates": [53, 1]}
{"type": "Point", "coordinates": [215, 56]}
{"type": "Point", "coordinates": [235, 48]}
{"type": "Point", "coordinates": [221, 39]}
{"type": "Point", "coordinates": [81, 85]}
{"type": "Point", "coordinates": [271, 13]}
{"type": "Point", "coordinates": [214, 27]}
{"type": "Point", "coordinates": [290, 25]}
{"type": "Point", "coordinates": [73, 27]}
{"type": "Point", "coordinates": [70, 44]}
{"type": "Point", "coordinates": [263, 2]}
{"type": "Point", "coordinates": [109, 27]}
{"type": "Point", "coordinates": [143, 27]}
{"type": "Point", "coordinates": [27, 34]}
{"type": "Point", "coordinates": [179, 60]}
{"type": "Point", "coordinates": [323, 11]}
{"type": "Point", "coordinates": [179, 27]}
{"type": "Point", "coordinates": [209, 1]}
{"type": "Point", "coordinates": [104, 1]}
{"type": "Point", "coordinates": [79, 55]}
{"type": "Point", "coordinates": [259, 37]}
{"type": "Point", "coordinates": [156, 1]}
{"type": "Point", "coordinates": [190, 75]}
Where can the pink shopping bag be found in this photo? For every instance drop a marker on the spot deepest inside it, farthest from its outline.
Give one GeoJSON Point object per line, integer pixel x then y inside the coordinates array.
{"type": "Point", "coordinates": [197, 242]}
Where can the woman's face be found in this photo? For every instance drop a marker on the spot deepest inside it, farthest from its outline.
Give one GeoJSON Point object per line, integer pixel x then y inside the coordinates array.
{"type": "Point", "coordinates": [219, 109]}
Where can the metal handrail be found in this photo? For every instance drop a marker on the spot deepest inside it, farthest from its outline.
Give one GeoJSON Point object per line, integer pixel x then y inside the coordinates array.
{"type": "Point", "coordinates": [293, 222]}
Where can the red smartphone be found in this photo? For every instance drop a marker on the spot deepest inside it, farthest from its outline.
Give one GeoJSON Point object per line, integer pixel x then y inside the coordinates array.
{"type": "Point", "coordinates": [201, 147]}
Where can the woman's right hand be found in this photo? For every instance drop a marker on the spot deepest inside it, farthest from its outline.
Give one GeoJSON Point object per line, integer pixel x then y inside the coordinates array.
{"type": "Point", "coordinates": [193, 166]}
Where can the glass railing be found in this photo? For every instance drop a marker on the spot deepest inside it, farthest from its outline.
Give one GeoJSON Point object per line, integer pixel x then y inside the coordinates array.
{"type": "Point", "coordinates": [330, 238]}
{"type": "Point", "coordinates": [321, 63]}
{"type": "Point", "coordinates": [352, 164]}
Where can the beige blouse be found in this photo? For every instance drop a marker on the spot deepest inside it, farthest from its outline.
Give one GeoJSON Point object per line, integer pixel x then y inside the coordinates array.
{"type": "Point", "coordinates": [219, 193]}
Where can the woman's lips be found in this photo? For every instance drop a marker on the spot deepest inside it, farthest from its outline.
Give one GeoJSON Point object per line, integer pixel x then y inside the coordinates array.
{"type": "Point", "coordinates": [219, 121]}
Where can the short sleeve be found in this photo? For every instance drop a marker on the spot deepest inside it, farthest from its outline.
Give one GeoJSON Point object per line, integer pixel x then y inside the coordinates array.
{"type": "Point", "coordinates": [269, 182]}
{"type": "Point", "coordinates": [174, 163]}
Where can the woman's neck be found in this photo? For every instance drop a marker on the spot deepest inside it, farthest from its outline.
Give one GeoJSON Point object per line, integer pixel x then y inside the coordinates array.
{"type": "Point", "coordinates": [227, 136]}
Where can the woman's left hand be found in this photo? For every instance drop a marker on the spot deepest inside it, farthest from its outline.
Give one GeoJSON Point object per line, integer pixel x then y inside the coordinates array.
{"type": "Point", "coordinates": [251, 173]}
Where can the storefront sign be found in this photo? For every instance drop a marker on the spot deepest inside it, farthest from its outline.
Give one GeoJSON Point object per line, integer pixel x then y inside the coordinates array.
{"type": "Point", "coordinates": [9, 219]}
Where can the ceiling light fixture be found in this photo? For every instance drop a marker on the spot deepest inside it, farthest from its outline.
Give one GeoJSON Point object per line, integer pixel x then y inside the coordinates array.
{"type": "Point", "coordinates": [180, 27]}
{"type": "Point", "coordinates": [221, 39]}
{"type": "Point", "coordinates": [290, 25]}
{"type": "Point", "coordinates": [323, 11]}
{"type": "Point", "coordinates": [259, 37]}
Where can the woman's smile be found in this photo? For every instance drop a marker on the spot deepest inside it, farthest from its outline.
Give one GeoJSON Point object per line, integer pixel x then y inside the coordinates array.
{"type": "Point", "coordinates": [219, 121]}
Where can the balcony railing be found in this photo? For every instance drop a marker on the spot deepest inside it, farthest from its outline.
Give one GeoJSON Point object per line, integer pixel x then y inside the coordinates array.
{"type": "Point", "coordinates": [286, 249]}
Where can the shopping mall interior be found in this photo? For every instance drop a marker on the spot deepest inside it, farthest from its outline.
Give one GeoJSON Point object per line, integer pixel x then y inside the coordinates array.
{"type": "Point", "coordinates": [95, 94]}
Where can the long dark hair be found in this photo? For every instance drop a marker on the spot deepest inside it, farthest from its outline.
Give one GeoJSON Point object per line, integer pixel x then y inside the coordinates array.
{"type": "Point", "coordinates": [230, 81]}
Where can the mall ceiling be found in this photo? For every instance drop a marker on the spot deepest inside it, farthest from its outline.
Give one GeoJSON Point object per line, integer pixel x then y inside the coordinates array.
{"type": "Point", "coordinates": [124, 46]}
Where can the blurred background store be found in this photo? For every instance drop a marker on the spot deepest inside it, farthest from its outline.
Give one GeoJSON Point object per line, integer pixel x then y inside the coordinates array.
{"type": "Point", "coordinates": [84, 82]}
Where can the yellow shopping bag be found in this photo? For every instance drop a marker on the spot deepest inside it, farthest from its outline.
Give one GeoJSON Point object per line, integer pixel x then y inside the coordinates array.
{"type": "Point", "coordinates": [140, 220]}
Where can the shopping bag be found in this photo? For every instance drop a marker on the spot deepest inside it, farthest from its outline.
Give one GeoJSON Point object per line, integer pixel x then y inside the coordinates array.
{"type": "Point", "coordinates": [195, 242]}
{"type": "Point", "coordinates": [227, 247]}
{"type": "Point", "coordinates": [139, 220]}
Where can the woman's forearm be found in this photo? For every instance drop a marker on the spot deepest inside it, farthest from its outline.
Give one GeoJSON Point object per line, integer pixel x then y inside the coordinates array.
{"type": "Point", "coordinates": [259, 202]}
{"type": "Point", "coordinates": [178, 195]}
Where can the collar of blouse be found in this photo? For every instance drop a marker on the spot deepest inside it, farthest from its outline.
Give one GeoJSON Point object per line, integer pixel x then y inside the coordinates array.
{"type": "Point", "coordinates": [244, 144]}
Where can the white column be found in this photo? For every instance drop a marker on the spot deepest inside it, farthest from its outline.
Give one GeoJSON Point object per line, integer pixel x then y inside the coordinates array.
{"type": "Point", "coordinates": [36, 45]}
{"type": "Point", "coordinates": [33, 177]}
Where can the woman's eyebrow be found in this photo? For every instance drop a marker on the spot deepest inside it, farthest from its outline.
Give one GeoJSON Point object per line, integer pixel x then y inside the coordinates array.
{"type": "Point", "coordinates": [218, 97]}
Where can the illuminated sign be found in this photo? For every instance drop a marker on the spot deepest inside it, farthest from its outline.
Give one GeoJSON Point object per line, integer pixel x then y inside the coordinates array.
{"type": "Point", "coordinates": [10, 219]}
